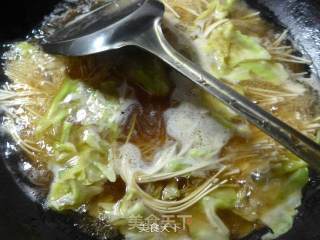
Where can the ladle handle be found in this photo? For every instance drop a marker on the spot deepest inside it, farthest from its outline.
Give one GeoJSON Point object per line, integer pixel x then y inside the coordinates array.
{"type": "Point", "coordinates": [154, 41]}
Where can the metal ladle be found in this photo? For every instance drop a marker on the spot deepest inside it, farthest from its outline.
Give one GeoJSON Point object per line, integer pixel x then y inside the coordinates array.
{"type": "Point", "coordinates": [122, 23]}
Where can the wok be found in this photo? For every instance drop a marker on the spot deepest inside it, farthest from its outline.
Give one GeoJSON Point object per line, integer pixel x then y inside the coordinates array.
{"type": "Point", "coordinates": [22, 215]}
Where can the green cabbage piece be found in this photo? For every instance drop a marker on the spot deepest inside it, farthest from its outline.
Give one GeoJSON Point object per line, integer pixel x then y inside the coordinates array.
{"type": "Point", "coordinates": [231, 47]}
{"type": "Point", "coordinates": [171, 191]}
{"type": "Point", "coordinates": [150, 74]}
{"type": "Point", "coordinates": [289, 165]}
{"type": "Point", "coordinates": [71, 194]}
{"type": "Point", "coordinates": [219, 110]}
{"type": "Point", "coordinates": [245, 48]}
{"type": "Point", "coordinates": [192, 157]}
{"type": "Point", "coordinates": [219, 44]}
{"type": "Point", "coordinates": [212, 227]}
{"type": "Point", "coordinates": [66, 130]}
{"type": "Point", "coordinates": [103, 111]}
{"type": "Point", "coordinates": [265, 71]}
{"type": "Point", "coordinates": [241, 57]}
{"type": "Point", "coordinates": [296, 181]}
{"type": "Point", "coordinates": [131, 205]}
{"type": "Point", "coordinates": [224, 198]}
{"type": "Point", "coordinates": [81, 150]}
{"type": "Point", "coordinates": [78, 180]}
{"type": "Point", "coordinates": [280, 217]}
{"type": "Point", "coordinates": [175, 165]}
{"type": "Point", "coordinates": [220, 9]}
{"type": "Point", "coordinates": [224, 115]}
{"type": "Point", "coordinates": [56, 114]}
{"type": "Point", "coordinates": [93, 139]}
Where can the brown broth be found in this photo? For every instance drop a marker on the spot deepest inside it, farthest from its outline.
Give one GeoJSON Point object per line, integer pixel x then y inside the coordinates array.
{"type": "Point", "coordinates": [146, 124]}
{"type": "Point", "coordinates": [112, 192]}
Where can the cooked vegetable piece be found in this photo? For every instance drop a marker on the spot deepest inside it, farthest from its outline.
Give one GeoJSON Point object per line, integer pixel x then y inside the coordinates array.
{"type": "Point", "coordinates": [171, 191]}
{"type": "Point", "coordinates": [241, 57]}
{"type": "Point", "coordinates": [150, 74]}
{"type": "Point", "coordinates": [81, 166]}
{"type": "Point", "coordinates": [245, 48]}
{"type": "Point", "coordinates": [259, 70]}
{"type": "Point", "coordinates": [57, 113]}
{"type": "Point", "coordinates": [220, 9]}
{"type": "Point", "coordinates": [211, 225]}
{"type": "Point", "coordinates": [280, 218]}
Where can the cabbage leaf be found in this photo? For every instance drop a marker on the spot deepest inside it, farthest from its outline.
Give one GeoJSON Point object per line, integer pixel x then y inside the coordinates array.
{"type": "Point", "coordinates": [212, 227]}
{"type": "Point", "coordinates": [86, 127]}
{"type": "Point", "coordinates": [224, 115]}
{"type": "Point", "coordinates": [265, 71]}
{"type": "Point", "coordinates": [220, 9]}
{"type": "Point", "coordinates": [150, 74]}
{"type": "Point", "coordinates": [280, 217]}
{"type": "Point", "coordinates": [239, 57]}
